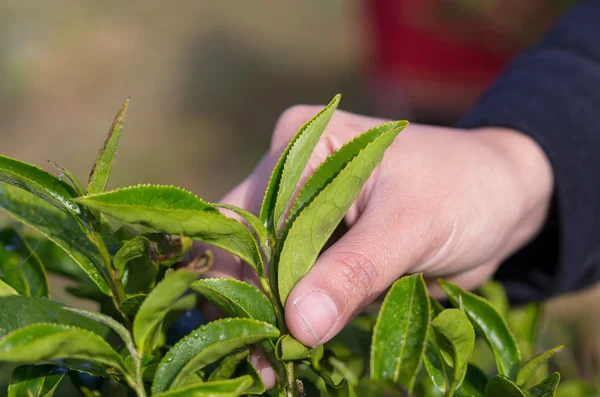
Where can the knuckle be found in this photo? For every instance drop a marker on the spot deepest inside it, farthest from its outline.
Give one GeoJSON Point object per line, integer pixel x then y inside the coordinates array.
{"type": "Point", "coordinates": [358, 272]}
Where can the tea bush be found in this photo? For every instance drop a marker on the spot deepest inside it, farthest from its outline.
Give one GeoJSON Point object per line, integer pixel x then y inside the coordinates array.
{"type": "Point", "coordinates": [129, 250]}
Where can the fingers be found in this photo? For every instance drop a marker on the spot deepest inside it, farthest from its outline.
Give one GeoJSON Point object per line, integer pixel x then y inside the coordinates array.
{"type": "Point", "coordinates": [352, 273]}
{"type": "Point", "coordinates": [264, 369]}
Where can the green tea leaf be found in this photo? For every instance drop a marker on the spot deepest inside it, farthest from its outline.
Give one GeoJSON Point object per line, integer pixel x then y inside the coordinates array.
{"type": "Point", "coordinates": [455, 338]}
{"type": "Point", "coordinates": [501, 386]}
{"type": "Point", "coordinates": [6, 290]}
{"type": "Point", "coordinates": [137, 247]}
{"type": "Point", "coordinates": [21, 311]}
{"type": "Point", "coordinates": [206, 345]}
{"type": "Point", "coordinates": [158, 303]}
{"type": "Point", "coordinates": [254, 222]}
{"type": "Point", "coordinates": [530, 367]}
{"type": "Point", "coordinates": [305, 235]}
{"type": "Point", "coordinates": [57, 342]}
{"type": "Point", "coordinates": [435, 365]}
{"type": "Point", "coordinates": [35, 380]}
{"type": "Point", "coordinates": [272, 194]}
{"type": "Point", "coordinates": [296, 157]}
{"type": "Point", "coordinates": [140, 276]}
{"type": "Point", "coordinates": [258, 387]}
{"type": "Point", "coordinates": [60, 228]}
{"type": "Point", "coordinates": [224, 388]}
{"type": "Point", "coordinates": [20, 266]}
{"type": "Point", "coordinates": [117, 327]}
{"type": "Point", "coordinates": [288, 349]}
{"type": "Point", "coordinates": [492, 326]}
{"type": "Point", "coordinates": [547, 388]}
{"type": "Point", "coordinates": [175, 211]}
{"type": "Point", "coordinates": [130, 305]}
{"type": "Point", "coordinates": [324, 174]}
{"type": "Point", "coordinates": [40, 183]}
{"type": "Point", "coordinates": [400, 332]}
{"type": "Point", "coordinates": [236, 298]}
{"type": "Point", "coordinates": [106, 158]}
{"type": "Point", "coordinates": [65, 173]}
{"type": "Point", "coordinates": [227, 366]}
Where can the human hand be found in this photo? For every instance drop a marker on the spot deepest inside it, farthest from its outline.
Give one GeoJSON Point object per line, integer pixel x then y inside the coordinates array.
{"type": "Point", "coordinates": [444, 202]}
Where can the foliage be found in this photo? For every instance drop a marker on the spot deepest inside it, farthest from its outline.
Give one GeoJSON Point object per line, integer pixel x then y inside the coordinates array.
{"type": "Point", "coordinates": [128, 249]}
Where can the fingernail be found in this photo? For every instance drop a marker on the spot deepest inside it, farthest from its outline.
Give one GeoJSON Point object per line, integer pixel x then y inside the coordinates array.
{"type": "Point", "coordinates": [318, 312]}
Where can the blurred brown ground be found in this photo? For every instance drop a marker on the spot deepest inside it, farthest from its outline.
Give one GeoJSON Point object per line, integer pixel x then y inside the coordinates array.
{"type": "Point", "coordinates": [207, 79]}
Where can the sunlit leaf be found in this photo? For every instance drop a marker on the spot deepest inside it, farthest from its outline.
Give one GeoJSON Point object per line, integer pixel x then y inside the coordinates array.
{"type": "Point", "coordinates": [302, 145]}
{"type": "Point", "coordinates": [307, 232]}
{"type": "Point", "coordinates": [104, 162]}
{"type": "Point", "coordinates": [175, 211]}
{"type": "Point", "coordinates": [236, 298]}
{"type": "Point", "coordinates": [227, 366]}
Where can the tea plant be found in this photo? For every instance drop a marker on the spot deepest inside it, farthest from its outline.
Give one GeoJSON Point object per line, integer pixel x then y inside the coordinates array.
{"type": "Point", "coordinates": [129, 250]}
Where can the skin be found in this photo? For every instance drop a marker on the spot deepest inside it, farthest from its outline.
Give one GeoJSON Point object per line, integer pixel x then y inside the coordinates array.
{"type": "Point", "coordinates": [445, 202]}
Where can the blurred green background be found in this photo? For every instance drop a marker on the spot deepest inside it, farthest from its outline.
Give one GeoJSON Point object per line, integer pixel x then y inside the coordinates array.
{"type": "Point", "coordinates": [207, 81]}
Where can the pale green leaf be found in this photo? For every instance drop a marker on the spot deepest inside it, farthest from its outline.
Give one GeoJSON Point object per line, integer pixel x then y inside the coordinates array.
{"type": "Point", "coordinates": [104, 162]}
{"type": "Point", "coordinates": [254, 222]}
{"type": "Point", "coordinates": [6, 290]}
{"type": "Point", "coordinates": [228, 365]}
{"type": "Point", "coordinates": [206, 345]}
{"type": "Point", "coordinates": [400, 333]}
{"type": "Point", "coordinates": [236, 298]}
{"type": "Point", "coordinates": [494, 293]}
{"type": "Point", "coordinates": [135, 248]}
{"type": "Point", "coordinates": [224, 388]}
{"type": "Point", "coordinates": [60, 228]}
{"type": "Point", "coordinates": [530, 367]}
{"type": "Point", "coordinates": [492, 326]}
{"type": "Point", "coordinates": [455, 338]}
{"type": "Point", "coordinates": [38, 182]}
{"type": "Point", "coordinates": [267, 211]}
{"type": "Point", "coordinates": [157, 304]}
{"type": "Point", "coordinates": [175, 211]}
{"type": "Point", "coordinates": [305, 235]}
{"type": "Point", "coordinates": [35, 381]}
{"type": "Point", "coordinates": [296, 157]}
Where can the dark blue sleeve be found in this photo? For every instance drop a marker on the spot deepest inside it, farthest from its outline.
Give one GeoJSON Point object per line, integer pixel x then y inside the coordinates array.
{"type": "Point", "coordinates": [551, 92]}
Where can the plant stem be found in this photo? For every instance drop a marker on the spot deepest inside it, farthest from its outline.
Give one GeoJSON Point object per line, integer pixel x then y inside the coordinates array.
{"type": "Point", "coordinates": [291, 389]}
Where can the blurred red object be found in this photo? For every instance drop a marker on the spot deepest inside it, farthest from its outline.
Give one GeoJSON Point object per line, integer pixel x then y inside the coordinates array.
{"type": "Point", "coordinates": [431, 59]}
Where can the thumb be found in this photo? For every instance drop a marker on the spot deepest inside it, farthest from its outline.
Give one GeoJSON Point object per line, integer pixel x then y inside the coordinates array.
{"type": "Point", "coordinates": [351, 274]}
